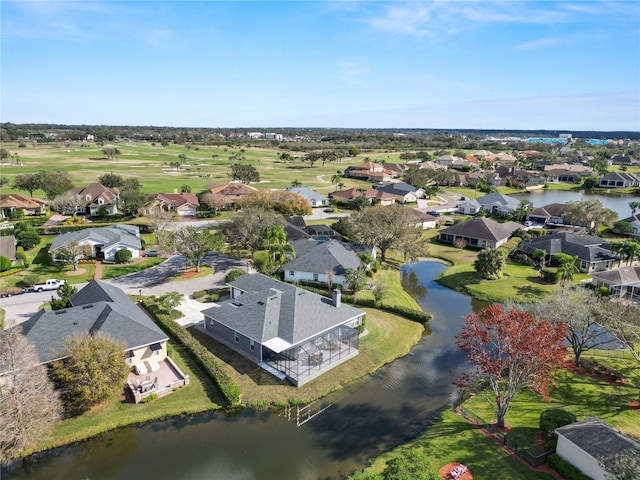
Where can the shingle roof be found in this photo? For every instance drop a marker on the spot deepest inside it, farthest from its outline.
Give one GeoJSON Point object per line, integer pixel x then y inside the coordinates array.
{"type": "Point", "coordinates": [98, 307]}
{"type": "Point", "coordinates": [620, 276]}
{"type": "Point", "coordinates": [498, 198]}
{"type": "Point", "coordinates": [332, 256]}
{"type": "Point", "coordinates": [15, 200]}
{"type": "Point", "coordinates": [8, 247]}
{"type": "Point", "coordinates": [398, 188]}
{"type": "Point", "coordinates": [273, 309]}
{"type": "Point", "coordinates": [585, 247]}
{"type": "Point", "coordinates": [307, 193]}
{"type": "Point", "coordinates": [597, 438]}
{"type": "Point", "coordinates": [95, 191]}
{"type": "Point", "coordinates": [551, 210]}
{"type": "Point", "coordinates": [124, 234]}
{"type": "Point", "coordinates": [484, 228]}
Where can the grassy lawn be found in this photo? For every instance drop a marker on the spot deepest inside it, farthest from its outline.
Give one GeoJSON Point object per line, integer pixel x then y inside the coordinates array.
{"type": "Point", "coordinates": [190, 274]}
{"type": "Point", "coordinates": [582, 395]}
{"type": "Point", "coordinates": [452, 439]}
{"type": "Point", "coordinates": [200, 395]}
{"type": "Point", "coordinates": [114, 271]}
{"type": "Point", "coordinates": [389, 337]}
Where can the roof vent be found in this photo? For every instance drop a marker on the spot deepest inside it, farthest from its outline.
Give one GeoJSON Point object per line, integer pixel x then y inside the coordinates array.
{"type": "Point", "coordinates": [60, 312]}
{"type": "Point", "coordinates": [87, 306]}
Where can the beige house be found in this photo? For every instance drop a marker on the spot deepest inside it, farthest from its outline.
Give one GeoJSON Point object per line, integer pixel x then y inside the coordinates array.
{"type": "Point", "coordinates": [10, 202]}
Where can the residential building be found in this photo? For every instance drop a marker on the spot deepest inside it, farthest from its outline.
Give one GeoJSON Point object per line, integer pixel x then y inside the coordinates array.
{"type": "Point", "coordinates": [621, 282]}
{"type": "Point", "coordinates": [324, 261]}
{"type": "Point", "coordinates": [104, 241]}
{"type": "Point", "coordinates": [594, 254]}
{"type": "Point", "coordinates": [451, 161]}
{"type": "Point", "coordinates": [494, 203]}
{"type": "Point", "coordinates": [550, 214]}
{"type": "Point", "coordinates": [568, 173]}
{"type": "Point", "coordinates": [374, 172]}
{"type": "Point", "coordinates": [401, 191]}
{"type": "Point", "coordinates": [590, 443]}
{"type": "Point", "coordinates": [185, 204]}
{"type": "Point", "coordinates": [371, 194]}
{"type": "Point", "coordinates": [479, 233]}
{"type": "Point", "coordinates": [634, 220]}
{"type": "Point", "coordinates": [8, 247]}
{"type": "Point", "coordinates": [96, 196]}
{"type": "Point", "coordinates": [619, 180]}
{"type": "Point", "coordinates": [229, 193]}
{"type": "Point", "coordinates": [311, 196]}
{"type": "Point", "coordinates": [103, 308]}
{"type": "Point", "coordinates": [10, 202]}
{"type": "Point", "coordinates": [290, 332]}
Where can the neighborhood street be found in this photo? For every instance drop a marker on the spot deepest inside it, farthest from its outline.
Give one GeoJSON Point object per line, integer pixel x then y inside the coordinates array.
{"type": "Point", "coordinates": [151, 281]}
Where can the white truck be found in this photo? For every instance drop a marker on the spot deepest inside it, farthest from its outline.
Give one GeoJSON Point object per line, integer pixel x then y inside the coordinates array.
{"type": "Point", "coordinates": [50, 284]}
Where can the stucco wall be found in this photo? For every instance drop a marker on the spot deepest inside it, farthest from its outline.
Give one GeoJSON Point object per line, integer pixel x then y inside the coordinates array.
{"type": "Point", "coordinates": [580, 459]}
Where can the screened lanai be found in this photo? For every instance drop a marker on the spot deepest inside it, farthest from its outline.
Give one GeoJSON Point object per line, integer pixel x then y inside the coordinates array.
{"type": "Point", "coordinates": [306, 361]}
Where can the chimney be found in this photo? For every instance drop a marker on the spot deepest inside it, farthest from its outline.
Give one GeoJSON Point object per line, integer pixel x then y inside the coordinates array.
{"type": "Point", "coordinates": [337, 298]}
{"type": "Point", "coordinates": [175, 190]}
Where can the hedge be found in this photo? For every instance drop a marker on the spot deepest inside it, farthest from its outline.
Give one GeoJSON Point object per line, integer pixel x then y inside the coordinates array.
{"type": "Point", "coordinates": [565, 469]}
{"type": "Point", "coordinates": [553, 418]}
{"type": "Point", "coordinates": [211, 365]}
{"type": "Point", "coordinates": [6, 273]}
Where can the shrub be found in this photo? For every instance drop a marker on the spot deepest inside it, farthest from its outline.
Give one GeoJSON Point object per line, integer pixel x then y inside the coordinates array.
{"type": "Point", "coordinates": [554, 418]}
{"type": "Point", "coordinates": [123, 256]}
{"type": "Point", "coordinates": [210, 364]}
{"type": "Point", "coordinates": [199, 294]}
{"type": "Point", "coordinates": [148, 399]}
{"type": "Point", "coordinates": [565, 469]}
{"type": "Point", "coordinates": [593, 366]}
{"type": "Point", "coordinates": [5, 264]}
{"type": "Point", "coordinates": [550, 445]}
{"type": "Point", "coordinates": [30, 280]}
{"type": "Point", "coordinates": [233, 274]}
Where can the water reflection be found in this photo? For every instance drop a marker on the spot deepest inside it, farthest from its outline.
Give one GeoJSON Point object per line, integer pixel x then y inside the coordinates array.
{"type": "Point", "coordinates": [370, 416]}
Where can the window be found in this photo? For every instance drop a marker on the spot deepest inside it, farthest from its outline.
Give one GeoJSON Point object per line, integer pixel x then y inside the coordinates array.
{"type": "Point", "coordinates": [315, 277]}
{"type": "Point", "coordinates": [236, 338]}
{"type": "Point", "coordinates": [291, 273]}
{"type": "Point", "coordinates": [211, 323]}
{"type": "Point", "coordinates": [252, 345]}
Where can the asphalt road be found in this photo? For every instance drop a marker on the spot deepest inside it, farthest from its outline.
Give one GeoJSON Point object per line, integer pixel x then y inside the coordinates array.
{"type": "Point", "coordinates": [152, 281]}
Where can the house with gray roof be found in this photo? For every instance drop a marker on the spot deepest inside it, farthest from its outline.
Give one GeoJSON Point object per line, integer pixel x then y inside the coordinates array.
{"type": "Point", "coordinates": [621, 282]}
{"type": "Point", "coordinates": [494, 203]}
{"type": "Point", "coordinates": [619, 180]}
{"type": "Point", "coordinates": [325, 262]}
{"type": "Point", "coordinates": [594, 254]}
{"type": "Point", "coordinates": [590, 444]}
{"type": "Point", "coordinates": [479, 233]}
{"type": "Point", "coordinates": [102, 308]}
{"type": "Point", "coordinates": [634, 221]}
{"type": "Point", "coordinates": [402, 192]}
{"type": "Point", "coordinates": [104, 241]}
{"type": "Point", "coordinates": [311, 196]}
{"type": "Point", "coordinates": [290, 332]}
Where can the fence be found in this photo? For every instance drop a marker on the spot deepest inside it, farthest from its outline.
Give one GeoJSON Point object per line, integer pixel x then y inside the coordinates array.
{"type": "Point", "coordinates": [523, 452]}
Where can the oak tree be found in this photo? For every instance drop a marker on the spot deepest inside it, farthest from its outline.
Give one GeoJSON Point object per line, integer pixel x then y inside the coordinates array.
{"type": "Point", "coordinates": [92, 369]}
{"type": "Point", "coordinates": [192, 242]}
{"type": "Point", "coordinates": [511, 350]}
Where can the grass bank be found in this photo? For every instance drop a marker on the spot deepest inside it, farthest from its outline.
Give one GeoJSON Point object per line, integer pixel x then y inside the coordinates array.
{"type": "Point", "coordinates": [389, 337]}
{"type": "Point", "coordinates": [200, 395]}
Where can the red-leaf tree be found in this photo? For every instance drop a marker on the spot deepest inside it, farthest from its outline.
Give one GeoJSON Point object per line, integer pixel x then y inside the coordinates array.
{"type": "Point", "coordinates": [511, 350]}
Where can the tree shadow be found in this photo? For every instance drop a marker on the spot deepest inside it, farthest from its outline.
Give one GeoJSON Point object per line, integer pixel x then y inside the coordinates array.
{"type": "Point", "coordinates": [530, 291]}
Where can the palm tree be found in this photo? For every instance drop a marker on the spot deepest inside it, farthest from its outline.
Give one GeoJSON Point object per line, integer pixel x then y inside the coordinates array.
{"type": "Point", "coordinates": [566, 271]}
{"type": "Point", "coordinates": [540, 254]}
{"type": "Point", "coordinates": [280, 250]}
{"type": "Point", "coordinates": [635, 205]}
{"type": "Point", "coordinates": [618, 248]}
{"type": "Point", "coordinates": [631, 250]}
{"type": "Point", "coordinates": [489, 263]}
{"type": "Point", "coordinates": [296, 183]}
{"type": "Point", "coordinates": [336, 178]}
{"type": "Point", "coordinates": [341, 185]}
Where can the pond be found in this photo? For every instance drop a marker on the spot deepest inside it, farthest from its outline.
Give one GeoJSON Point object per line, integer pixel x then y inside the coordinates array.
{"type": "Point", "coordinates": [371, 416]}
{"type": "Point", "coordinates": [617, 203]}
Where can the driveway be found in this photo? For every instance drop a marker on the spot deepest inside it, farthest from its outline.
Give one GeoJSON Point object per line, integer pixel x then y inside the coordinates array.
{"type": "Point", "coordinates": [152, 281]}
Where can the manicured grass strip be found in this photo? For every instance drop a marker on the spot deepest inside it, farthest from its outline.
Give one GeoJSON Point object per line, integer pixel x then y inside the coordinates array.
{"type": "Point", "coordinates": [114, 271]}
{"type": "Point", "coordinates": [452, 439]}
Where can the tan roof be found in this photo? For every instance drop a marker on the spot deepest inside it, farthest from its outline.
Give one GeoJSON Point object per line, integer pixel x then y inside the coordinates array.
{"type": "Point", "coordinates": [15, 200]}
{"type": "Point", "coordinates": [94, 191]}
{"type": "Point", "coordinates": [352, 193]}
{"type": "Point", "coordinates": [178, 199]}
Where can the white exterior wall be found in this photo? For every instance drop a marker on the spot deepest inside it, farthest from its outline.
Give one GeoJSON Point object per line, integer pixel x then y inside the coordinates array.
{"type": "Point", "coordinates": [308, 276]}
{"type": "Point", "coordinates": [468, 209]}
{"type": "Point", "coordinates": [187, 210]}
{"type": "Point", "coordinates": [110, 253]}
{"type": "Point", "coordinates": [580, 459]}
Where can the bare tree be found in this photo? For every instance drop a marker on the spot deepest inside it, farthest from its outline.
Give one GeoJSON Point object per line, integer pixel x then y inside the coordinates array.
{"type": "Point", "coordinates": [73, 252]}
{"type": "Point", "coordinates": [66, 203]}
{"type": "Point", "coordinates": [29, 404]}
{"type": "Point", "coordinates": [161, 220]}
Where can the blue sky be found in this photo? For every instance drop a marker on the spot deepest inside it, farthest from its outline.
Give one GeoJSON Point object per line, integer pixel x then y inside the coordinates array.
{"type": "Point", "coordinates": [354, 64]}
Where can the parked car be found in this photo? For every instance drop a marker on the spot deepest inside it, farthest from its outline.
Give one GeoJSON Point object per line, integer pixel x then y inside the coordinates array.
{"type": "Point", "coordinates": [528, 223]}
{"type": "Point", "coordinates": [51, 284]}
{"type": "Point", "coordinates": [151, 253]}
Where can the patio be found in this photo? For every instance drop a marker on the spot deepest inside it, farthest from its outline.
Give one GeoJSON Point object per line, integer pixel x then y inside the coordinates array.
{"type": "Point", "coordinates": [162, 381]}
